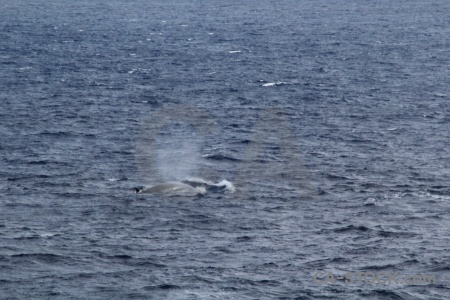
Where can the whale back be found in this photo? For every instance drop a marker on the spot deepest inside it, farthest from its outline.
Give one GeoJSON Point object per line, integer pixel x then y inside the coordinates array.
{"type": "Point", "coordinates": [173, 188]}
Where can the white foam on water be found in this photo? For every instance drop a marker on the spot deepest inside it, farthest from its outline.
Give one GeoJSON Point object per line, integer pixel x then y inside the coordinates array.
{"type": "Point", "coordinates": [228, 184]}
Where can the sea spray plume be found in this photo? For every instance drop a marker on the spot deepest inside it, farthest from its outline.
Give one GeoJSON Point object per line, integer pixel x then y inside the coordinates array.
{"type": "Point", "coordinates": [163, 155]}
{"type": "Point", "coordinates": [177, 152]}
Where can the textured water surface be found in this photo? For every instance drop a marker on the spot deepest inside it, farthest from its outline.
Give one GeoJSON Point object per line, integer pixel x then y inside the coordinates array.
{"type": "Point", "coordinates": [331, 119]}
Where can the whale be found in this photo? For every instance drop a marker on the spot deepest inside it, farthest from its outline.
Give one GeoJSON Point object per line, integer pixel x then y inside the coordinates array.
{"type": "Point", "coordinates": [189, 187]}
{"type": "Point", "coordinates": [173, 189]}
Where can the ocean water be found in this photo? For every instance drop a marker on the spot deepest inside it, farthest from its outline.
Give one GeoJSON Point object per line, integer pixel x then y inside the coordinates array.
{"type": "Point", "coordinates": [330, 118]}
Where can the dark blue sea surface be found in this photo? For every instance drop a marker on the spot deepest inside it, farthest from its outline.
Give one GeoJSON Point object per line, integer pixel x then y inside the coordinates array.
{"type": "Point", "coordinates": [330, 118]}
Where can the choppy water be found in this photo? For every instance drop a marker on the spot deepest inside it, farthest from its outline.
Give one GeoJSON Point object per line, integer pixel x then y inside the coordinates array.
{"type": "Point", "coordinates": [331, 118]}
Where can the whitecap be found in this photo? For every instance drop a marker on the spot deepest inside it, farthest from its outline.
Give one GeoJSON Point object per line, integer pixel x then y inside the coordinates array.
{"type": "Point", "coordinates": [228, 185]}
{"type": "Point", "coordinates": [224, 184]}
